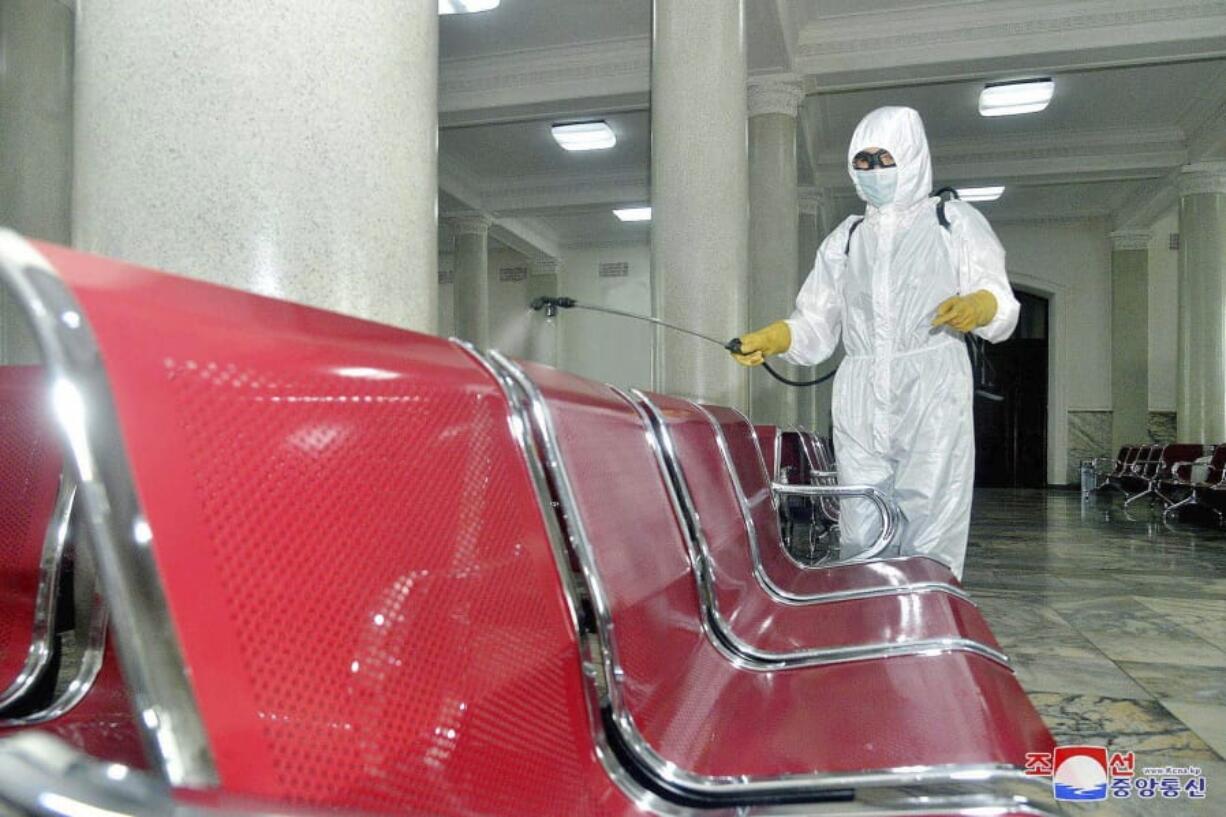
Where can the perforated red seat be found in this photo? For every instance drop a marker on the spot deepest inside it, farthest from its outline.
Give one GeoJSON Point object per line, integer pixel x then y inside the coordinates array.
{"type": "Point", "coordinates": [705, 713]}
{"type": "Point", "coordinates": [752, 474]}
{"type": "Point", "coordinates": [29, 479]}
{"type": "Point", "coordinates": [354, 561]}
{"type": "Point", "coordinates": [773, 622]}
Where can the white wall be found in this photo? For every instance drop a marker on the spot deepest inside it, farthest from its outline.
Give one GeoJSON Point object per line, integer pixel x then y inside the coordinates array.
{"type": "Point", "coordinates": [1069, 262]}
{"type": "Point", "coordinates": [603, 347]}
{"type": "Point", "coordinates": [1163, 313]}
{"type": "Point", "coordinates": [511, 321]}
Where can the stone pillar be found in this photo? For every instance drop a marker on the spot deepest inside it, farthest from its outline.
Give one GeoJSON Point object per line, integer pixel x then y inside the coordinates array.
{"type": "Point", "coordinates": [470, 262]}
{"type": "Point", "coordinates": [544, 339]}
{"type": "Point", "coordinates": [35, 140]}
{"type": "Point", "coordinates": [1129, 337]}
{"type": "Point", "coordinates": [1201, 397]}
{"type": "Point", "coordinates": [773, 237]}
{"type": "Point", "coordinates": [287, 147]}
{"type": "Point", "coordinates": [699, 194]}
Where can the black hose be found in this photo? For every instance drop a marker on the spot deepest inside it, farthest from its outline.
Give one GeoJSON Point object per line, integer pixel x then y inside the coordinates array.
{"type": "Point", "coordinates": [799, 383]}
{"type": "Point", "coordinates": [734, 346]}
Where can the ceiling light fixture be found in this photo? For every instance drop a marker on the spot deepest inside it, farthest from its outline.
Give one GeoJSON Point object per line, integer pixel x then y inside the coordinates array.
{"type": "Point", "coordinates": [991, 193]}
{"type": "Point", "coordinates": [466, 6]}
{"type": "Point", "coordinates": [633, 213]}
{"type": "Point", "coordinates": [1017, 96]}
{"type": "Point", "coordinates": [596, 135]}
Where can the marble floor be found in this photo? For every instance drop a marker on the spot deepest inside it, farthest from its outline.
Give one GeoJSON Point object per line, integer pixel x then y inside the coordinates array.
{"type": "Point", "coordinates": [1116, 625]}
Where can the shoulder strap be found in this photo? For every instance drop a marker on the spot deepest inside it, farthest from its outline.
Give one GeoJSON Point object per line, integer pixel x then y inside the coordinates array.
{"type": "Point", "coordinates": [854, 225]}
{"type": "Point", "coordinates": [944, 194]}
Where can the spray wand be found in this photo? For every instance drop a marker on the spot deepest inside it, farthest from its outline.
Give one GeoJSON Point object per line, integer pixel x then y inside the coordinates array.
{"type": "Point", "coordinates": [551, 305]}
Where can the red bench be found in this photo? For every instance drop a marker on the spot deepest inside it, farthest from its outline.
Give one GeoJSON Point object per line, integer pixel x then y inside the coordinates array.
{"type": "Point", "coordinates": [1199, 490]}
{"type": "Point", "coordinates": [865, 616]}
{"type": "Point", "coordinates": [337, 578]}
{"type": "Point", "coordinates": [715, 727]}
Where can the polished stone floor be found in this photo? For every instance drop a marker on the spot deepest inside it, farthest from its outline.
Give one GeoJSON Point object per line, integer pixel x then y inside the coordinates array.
{"type": "Point", "coordinates": [1116, 625]}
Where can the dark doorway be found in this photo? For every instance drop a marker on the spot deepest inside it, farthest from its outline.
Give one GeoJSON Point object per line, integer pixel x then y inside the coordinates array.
{"type": "Point", "coordinates": [1011, 435]}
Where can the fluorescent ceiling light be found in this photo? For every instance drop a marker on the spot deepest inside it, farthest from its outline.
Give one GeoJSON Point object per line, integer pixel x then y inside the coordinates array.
{"type": "Point", "coordinates": [633, 213]}
{"type": "Point", "coordinates": [981, 193]}
{"type": "Point", "coordinates": [1020, 96]}
{"type": "Point", "coordinates": [584, 136]}
{"type": "Point", "coordinates": [466, 6]}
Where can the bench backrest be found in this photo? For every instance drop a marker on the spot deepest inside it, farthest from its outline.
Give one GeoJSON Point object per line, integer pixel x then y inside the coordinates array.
{"type": "Point", "coordinates": [766, 435]}
{"type": "Point", "coordinates": [1175, 453]}
{"type": "Point", "coordinates": [1148, 458]}
{"type": "Point", "coordinates": [713, 493]}
{"type": "Point", "coordinates": [30, 462]}
{"type": "Point", "coordinates": [351, 550]}
{"type": "Point", "coordinates": [751, 473]}
{"type": "Point", "coordinates": [638, 545]}
{"type": "Point", "coordinates": [1217, 465]}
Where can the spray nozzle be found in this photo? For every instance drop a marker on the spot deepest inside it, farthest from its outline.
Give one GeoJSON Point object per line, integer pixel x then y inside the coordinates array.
{"type": "Point", "coordinates": [734, 346]}
{"type": "Point", "coordinates": [551, 304]}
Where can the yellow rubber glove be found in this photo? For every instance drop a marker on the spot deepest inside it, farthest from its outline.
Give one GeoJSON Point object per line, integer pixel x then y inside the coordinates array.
{"type": "Point", "coordinates": [757, 346]}
{"type": "Point", "coordinates": [966, 312]}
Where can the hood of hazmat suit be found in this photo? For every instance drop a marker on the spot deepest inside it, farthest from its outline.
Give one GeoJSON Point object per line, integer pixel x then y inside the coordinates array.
{"type": "Point", "coordinates": [902, 403]}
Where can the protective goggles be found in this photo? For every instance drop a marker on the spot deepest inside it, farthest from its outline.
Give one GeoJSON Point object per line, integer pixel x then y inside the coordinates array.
{"type": "Point", "coordinates": [871, 160]}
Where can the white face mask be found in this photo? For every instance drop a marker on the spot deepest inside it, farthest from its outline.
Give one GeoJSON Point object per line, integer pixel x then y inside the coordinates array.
{"type": "Point", "coordinates": [878, 186]}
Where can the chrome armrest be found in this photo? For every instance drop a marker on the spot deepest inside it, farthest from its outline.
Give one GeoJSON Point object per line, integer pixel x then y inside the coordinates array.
{"type": "Point", "coordinates": [891, 516]}
{"type": "Point", "coordinates": [1174, 470]}
{"type": "Point", "coordinates": [1096, 463]}
{"type": "Point", "coordinates": [43, 776]}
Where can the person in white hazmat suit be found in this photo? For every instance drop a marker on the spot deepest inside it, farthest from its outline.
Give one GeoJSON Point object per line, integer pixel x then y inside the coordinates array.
{"type": "Point", "coordinates": [900, 289]}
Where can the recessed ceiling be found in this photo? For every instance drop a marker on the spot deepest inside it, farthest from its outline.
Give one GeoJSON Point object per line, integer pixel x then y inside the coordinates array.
{"type": "Point", "coordinates": [1135, 97]}
{"type": "Point", "coordinates": [1108, 133]}
{"type": "Point", "coordinates": [598, 226]}
{"type": "Point", "coordinates": [528, 148]}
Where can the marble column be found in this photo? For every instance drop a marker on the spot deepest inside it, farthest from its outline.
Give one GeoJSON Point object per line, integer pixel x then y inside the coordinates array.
{"type": "Point", "coordinates": [699, 194]}
{"type": "Point", "coordinates": [35, 140]}
{"type": "Point", "coordinates": [773, 232]}
{"type": "Point", "coordinates": [1201, 393]}
{"type": "Point", "coordinates": [287, 147]}
{"type": "Point", "coordinates": [470, 264]}
{"type": "Point", "coordinates": [1129, 337]}
{"type": "Point", "coordinates": [543, 281]}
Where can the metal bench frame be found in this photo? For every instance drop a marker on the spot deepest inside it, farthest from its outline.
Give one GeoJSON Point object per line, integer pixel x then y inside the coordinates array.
{"type": "Point", "coordinates": [118, 533]}
{"type": "Point", "coordinates": [768, 584]}
{"type": "Point", "coordinates": [701, 560]}
{"type": "Point", "coordinates": [912, 790]}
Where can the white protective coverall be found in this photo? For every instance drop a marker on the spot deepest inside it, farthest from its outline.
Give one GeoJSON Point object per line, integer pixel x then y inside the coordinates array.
{"type": "Point", "coordinates": [902, 403]}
